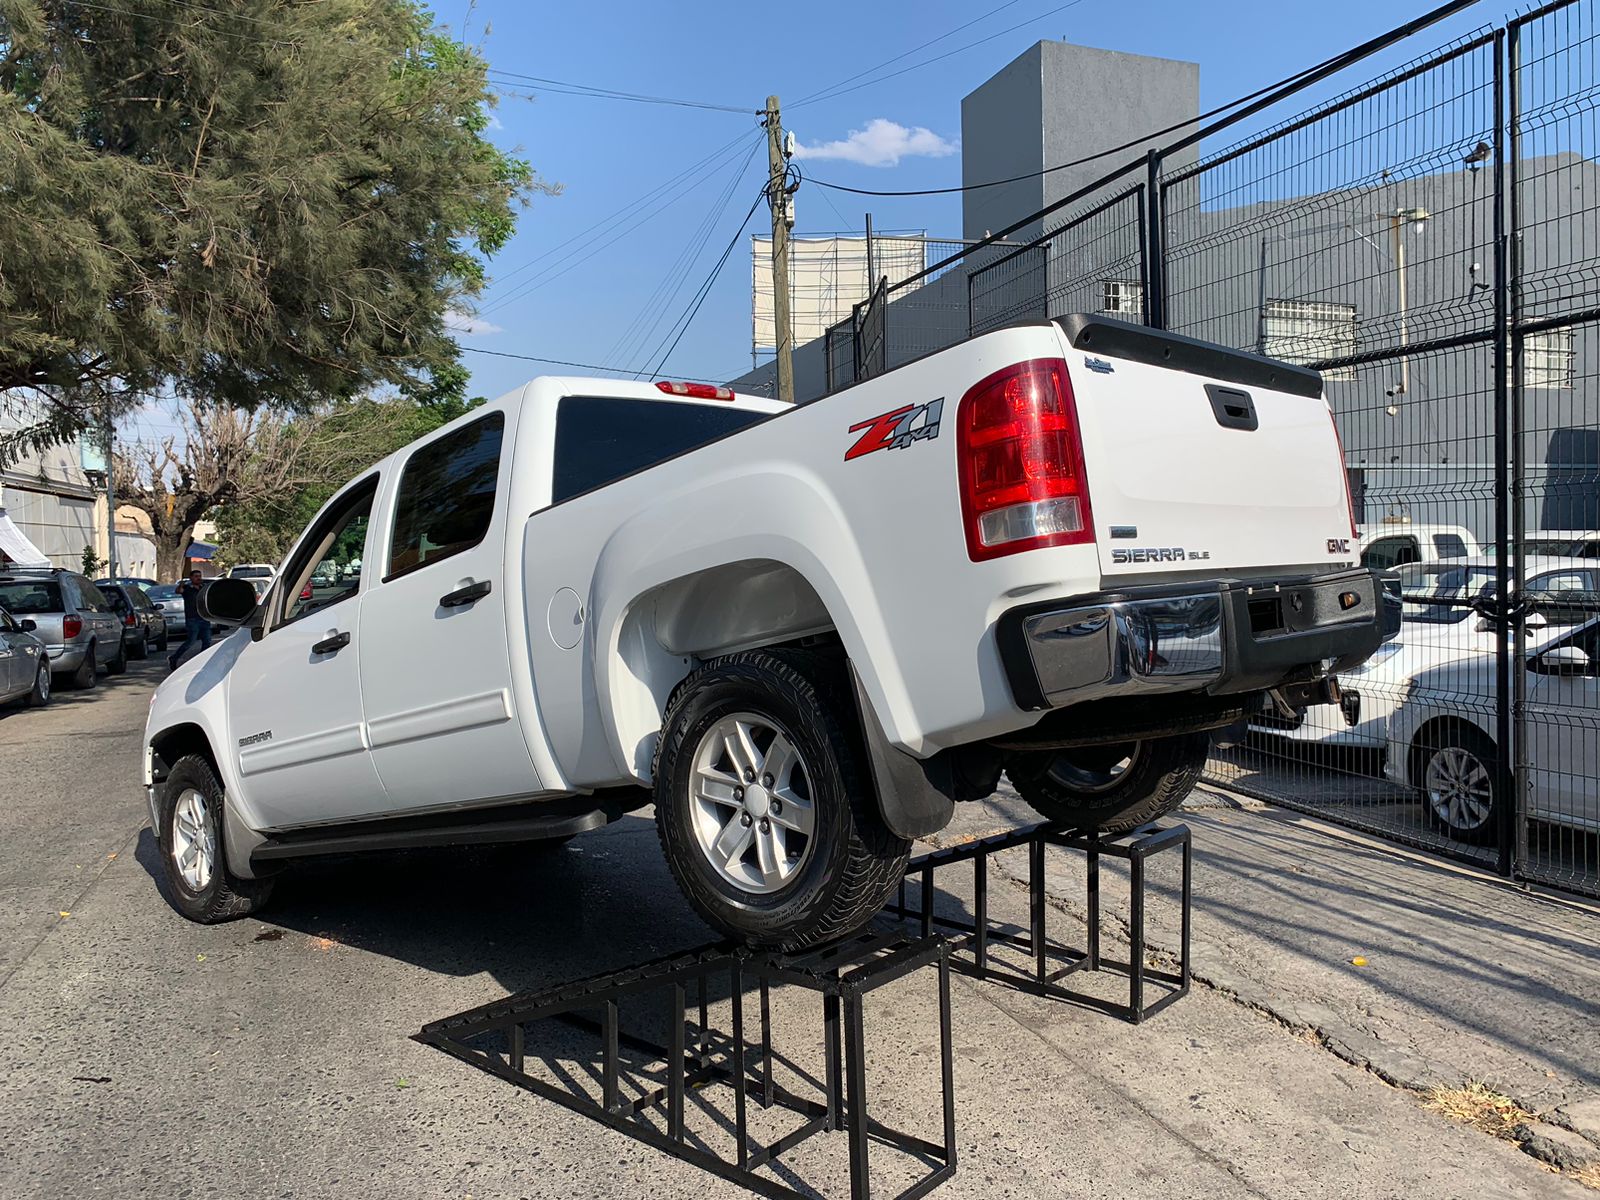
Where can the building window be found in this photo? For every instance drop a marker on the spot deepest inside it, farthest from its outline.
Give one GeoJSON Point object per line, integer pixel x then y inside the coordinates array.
{"type": "Point", "coordinates": [1124, 297]}
{"type": "Point", "coordinates": [1547, 359]}
{"type": "Point", "coordinates": [1310, 331]}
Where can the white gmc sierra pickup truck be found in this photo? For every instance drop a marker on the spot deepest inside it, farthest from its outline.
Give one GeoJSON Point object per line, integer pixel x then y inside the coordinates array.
{"type": "Point", "coordinates": [1067, 551]}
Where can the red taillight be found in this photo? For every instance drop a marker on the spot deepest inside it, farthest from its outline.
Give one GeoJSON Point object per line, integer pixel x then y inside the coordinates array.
{"type": "Point", "coordinates": [1344, 473]}
{"type": "Point", "coordinates": [305, 592]}
{"type": "Point", "coordinates": [71, 627]}
{"type": "Point", "coordinates": [700, 391]}
{"type": "Point", "coordinates": [130, 620]}
{"type": "Point", "coordinates": [1021, 461]}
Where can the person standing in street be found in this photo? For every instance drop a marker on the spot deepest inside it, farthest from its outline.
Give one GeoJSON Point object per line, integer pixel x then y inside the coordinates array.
{"type": "Point", "coordinates": [195, 627]}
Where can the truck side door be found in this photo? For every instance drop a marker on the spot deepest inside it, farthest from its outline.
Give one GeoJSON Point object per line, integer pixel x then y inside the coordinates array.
{"type": "Point", "coordinates": [435, 668]}
{"type": "Point", "coordinates": [294, 695]}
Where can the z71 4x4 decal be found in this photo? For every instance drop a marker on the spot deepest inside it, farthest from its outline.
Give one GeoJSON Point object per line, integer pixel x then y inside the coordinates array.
{"type": "Point", "coordinates": [898, 429]}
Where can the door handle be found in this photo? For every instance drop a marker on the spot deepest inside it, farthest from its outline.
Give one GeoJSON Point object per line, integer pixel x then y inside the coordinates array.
{"type": "Point", "coordinates": [464, 596]}
{"type": "Point", "coordinates": [331, 645]}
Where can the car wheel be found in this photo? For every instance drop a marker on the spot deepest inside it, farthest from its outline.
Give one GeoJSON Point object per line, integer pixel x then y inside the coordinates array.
{"type": "Point", "coordinates": [165, 638]}
{"type": "Point", "coordinates": [40, 695]}
{"type": "Point", "coordinates": [1456, 768]}
{"type": "Point", "coordinates": [1111, 788]}
{"type": "Point", "coordinates": [141, 645]}
{"type": "Point", "coordinates": [86, 676]}
{"type": "Point", "coordinates": [193, 862]}
{"type": "Point", "coordinates": [764, 805]}
{"type": "Point", "coordinates": [119, 664]}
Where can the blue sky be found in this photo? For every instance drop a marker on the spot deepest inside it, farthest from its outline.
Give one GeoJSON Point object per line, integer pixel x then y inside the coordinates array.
{"type": "Point", "coordinates": [566, 302]}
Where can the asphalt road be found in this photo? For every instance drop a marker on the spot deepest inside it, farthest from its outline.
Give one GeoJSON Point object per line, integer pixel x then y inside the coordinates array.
{"type": "Point", "coordinates": [141, 1055]}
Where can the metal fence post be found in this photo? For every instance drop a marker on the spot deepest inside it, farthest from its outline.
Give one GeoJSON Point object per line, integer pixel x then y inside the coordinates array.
{"type": "Point", "coordinates": [1155, 296]}
{"type": "Point", "coordinates": [1513, 287]}
{"type": "Point", "coordinates": [1507, 777]}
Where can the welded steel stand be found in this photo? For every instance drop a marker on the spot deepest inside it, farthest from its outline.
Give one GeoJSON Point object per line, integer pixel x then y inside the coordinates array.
{"type": "Point", "coordinates": [986, 949]}
{"type": "Point", "coordinates": [495, 1038]}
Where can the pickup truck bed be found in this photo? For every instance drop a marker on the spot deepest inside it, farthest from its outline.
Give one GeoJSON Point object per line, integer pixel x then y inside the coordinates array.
{"type": "Point", "coordinates": [1065, 550]}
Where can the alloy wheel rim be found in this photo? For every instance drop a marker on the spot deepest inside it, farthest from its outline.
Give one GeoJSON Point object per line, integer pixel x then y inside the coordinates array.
{"type": "Point", "coordinates": [44, 682]}
{"type": "Point", "coordinates": [194, 840]}
{"type": "Point", "coordinates": [752, 811]}
{"type": "Point", "coordinates": [1460, 788]}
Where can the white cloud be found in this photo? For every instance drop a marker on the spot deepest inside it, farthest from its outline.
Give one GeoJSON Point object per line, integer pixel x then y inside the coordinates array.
{"type": "Point", "coordinates": [883, 143]}
{"type": "Point", "coordinates": [465, 322]}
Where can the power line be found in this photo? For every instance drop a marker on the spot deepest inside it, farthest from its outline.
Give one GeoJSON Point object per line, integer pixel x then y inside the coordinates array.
{"type": "Point", "coordinates": [1089, 158]}
{"type": "Point", "coordinates": [705, 288]}
{"type": "Point", "coordinates": [907, 54]}
{"type": "Point", "coordinates": [674, 190]}
{"type": "Point", "coordinates": [836, 92]}
{"type": "Point", "coordinates": [564, 88]}
{"type": "Point", "coordinates": [561, 362]}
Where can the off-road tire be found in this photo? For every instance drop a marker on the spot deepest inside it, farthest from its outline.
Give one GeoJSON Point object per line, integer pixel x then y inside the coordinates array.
{"type": "Point", "coordinates": [39, 696]}
{"type": "Point", "coordinates": [855, 861]}
{"type": "Point", "coordinates": [1454, 734]}
{"type": "Point", "coordinates": [226, 897]}
{"type": "Point", "coordinates": [86, 676]}
{"type": "Point", "coordinates": [119, 664]}
{"type": "Point", "coordinates": [1158, 780]}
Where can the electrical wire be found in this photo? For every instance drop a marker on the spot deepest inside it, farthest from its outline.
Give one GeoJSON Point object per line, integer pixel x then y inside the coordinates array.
{"type": "Point", "coordinates": [705, 288]}
{"type": "Point", "coordinates": [561, 362]}
{"type": "Point", "coordinates": [564, 88]}
{"type": "Point", "coordinates": [654, 310]}
{"type": "Point", "coordinates": [1088, 158]}
{"type": "Point", "coordinates": [669, 193]}
{"type": "Point", "coordinates": [928, 62]}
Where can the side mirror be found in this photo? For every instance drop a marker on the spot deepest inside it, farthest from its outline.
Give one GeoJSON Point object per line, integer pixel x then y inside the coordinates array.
{"type": "Point", "coordinates": [1536, 620]}
{"type": "Point", "coordinates": [227, 601]}
{"type": "Point", "coordinates": [1563, 660]}
{"type": "Point", "coordinates": [29, 625]}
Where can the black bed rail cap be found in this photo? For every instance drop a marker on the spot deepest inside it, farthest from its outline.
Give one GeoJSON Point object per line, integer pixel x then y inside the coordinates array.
{"type": "Point", "coordinates": [1091, 332]}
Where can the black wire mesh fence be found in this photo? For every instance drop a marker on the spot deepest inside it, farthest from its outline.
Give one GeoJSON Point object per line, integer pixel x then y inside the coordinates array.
{"type": "Point", "coordinates": [1428, 240]}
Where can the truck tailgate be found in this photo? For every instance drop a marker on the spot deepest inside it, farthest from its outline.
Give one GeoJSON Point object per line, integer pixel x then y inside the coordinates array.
{"type": "Point", "coordinates": [1212, 472]}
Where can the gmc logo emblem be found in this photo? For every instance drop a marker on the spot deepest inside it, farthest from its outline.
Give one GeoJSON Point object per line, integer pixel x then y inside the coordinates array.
{"type": "Point", "coordinates": [1338, 545]}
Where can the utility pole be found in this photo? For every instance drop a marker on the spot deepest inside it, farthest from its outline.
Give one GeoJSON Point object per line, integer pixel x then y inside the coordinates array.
{"type": "Point", "coordinates": [111, 500]}
{"type": "Point", "coordinates": [778, 197]}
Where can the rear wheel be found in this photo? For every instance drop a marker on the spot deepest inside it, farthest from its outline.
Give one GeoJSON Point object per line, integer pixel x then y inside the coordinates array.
{"type": "Point", "coordinates": [193, 862]}
{"type": "Point", "coordinates": [119, 664]}
{"type": "Point", "coordinates": [141, 647]}
{"type": "Point", "coordinates": [1456, 766]}
{"type": "Point", "coordinates": [764, 805]}
{"type": "Point", "coordinates": [85, 676]}
{"type": "Point", "coordinates": [1111, 788]}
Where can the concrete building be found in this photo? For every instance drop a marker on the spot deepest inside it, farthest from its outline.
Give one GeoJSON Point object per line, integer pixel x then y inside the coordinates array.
{"type": "Point", "coordinates": [47, 494]}
{"type": "Point", "coordinates": [1369, 244]}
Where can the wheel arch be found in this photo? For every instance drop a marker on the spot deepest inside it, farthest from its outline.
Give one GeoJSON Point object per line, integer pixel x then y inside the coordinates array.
{"type": "Point", "coordinates": [1430, 730]}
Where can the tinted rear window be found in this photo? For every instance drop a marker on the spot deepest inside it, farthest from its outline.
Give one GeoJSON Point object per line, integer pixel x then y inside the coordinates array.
{"type": "Point", "coordinates": [164, 591]}
{"type": "Point", "coordinates": [1449, 545]}
{"type": "Point", "coordinates": [601, 439]}
{"type": "Point", "coordinates": [447, 495]}
{"type": "Point", "coordinates": [26, 597]}
{"type": "Point", "coordinates": [251, 572]}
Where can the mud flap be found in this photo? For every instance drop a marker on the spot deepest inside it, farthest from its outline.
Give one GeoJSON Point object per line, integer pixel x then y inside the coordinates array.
{"type": "Point", "coordinates": [915, 795]}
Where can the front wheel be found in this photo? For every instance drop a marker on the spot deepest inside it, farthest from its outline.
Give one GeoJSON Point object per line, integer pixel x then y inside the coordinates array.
{"type": "Point", "coordinates": [764, 805]}
{"type": "Point", "coordinates": [1111, 788]}
{"type": "Point", "coordinates": [40, 695]}
{"type": "Point", "coordinates": [1456, 768]}
{"type": "Point", "coordinates": [193, 862]}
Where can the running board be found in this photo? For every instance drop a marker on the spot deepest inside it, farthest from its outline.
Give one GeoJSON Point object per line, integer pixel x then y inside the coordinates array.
{"type": "Point", "coordinates": [525, 829]}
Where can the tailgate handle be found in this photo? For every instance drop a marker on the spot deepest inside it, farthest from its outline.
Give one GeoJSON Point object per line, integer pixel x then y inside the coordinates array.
{"type": "Point", "coordinates": [1234, 409]}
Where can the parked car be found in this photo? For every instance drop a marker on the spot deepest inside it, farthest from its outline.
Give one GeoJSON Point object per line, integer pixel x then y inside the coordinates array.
{"type": "Point", "coordinates": [1397, 542]}
{"type": "Point", "coordinates": [260, 575]}
{"type": "Point", "coordinates": [1574, 543]}
{"type": "Point", "coordinates": [143, 624]}
{"type": "Point", "coordinates": [166, 599]}
{"type": "Point", "coordinates": [75, 622]}
{"type": "Point", "coordinates": [135, 580]}
{"type": "Point", "coordinates": [1442, 738]}
{"type": "Point", "coordinates": [1439, 625]}
{"type": "Point", "coordinates": [803, 632]}
{"type": "Point", "coordinates": [24, 664]}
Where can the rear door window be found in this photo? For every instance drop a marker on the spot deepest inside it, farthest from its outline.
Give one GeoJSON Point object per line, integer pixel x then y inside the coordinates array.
{"type": "Point", "coordinates": [445, 500]}
{"type": "Point", "coordinates": [600, 439]}
{"type": "Point", "coordinates": [31, 597]}
{"type": "Point", "coordinates": [1449, 545]}
{"type": "Point", "coordinates": [1389, 552]}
